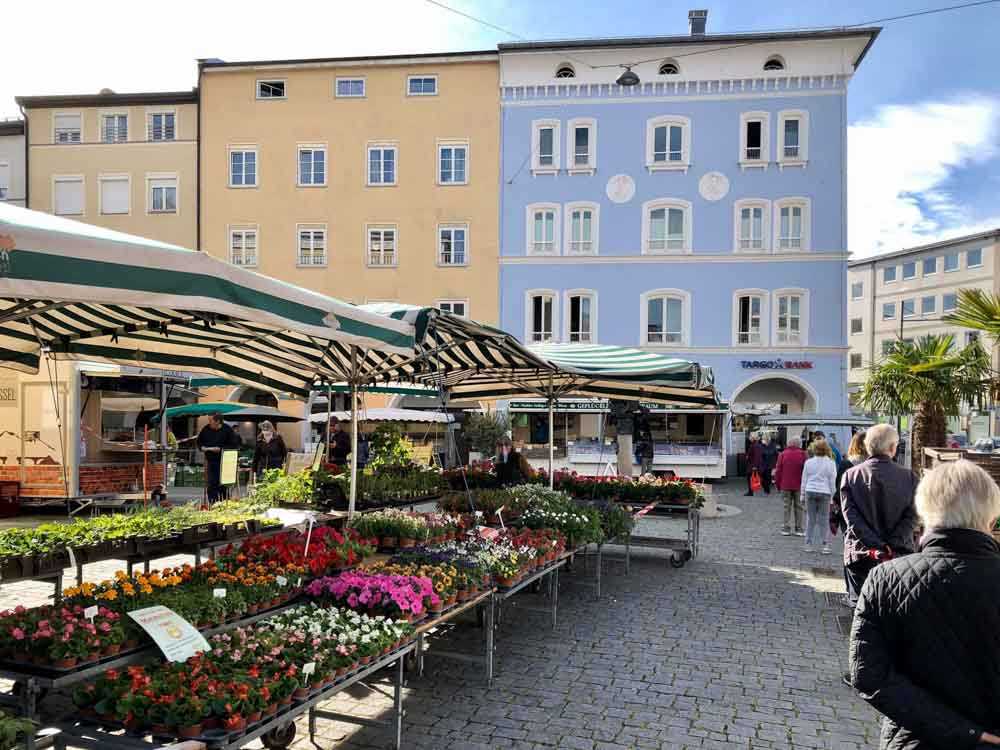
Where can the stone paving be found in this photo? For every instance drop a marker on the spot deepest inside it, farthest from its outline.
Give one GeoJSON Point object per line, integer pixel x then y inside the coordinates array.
{"type": "Point", "coordinates": [739, 649]}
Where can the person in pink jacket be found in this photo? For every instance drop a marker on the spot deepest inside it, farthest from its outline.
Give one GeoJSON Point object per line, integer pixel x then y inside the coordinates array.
{"type": "Point", "coordinates": [788, 477]}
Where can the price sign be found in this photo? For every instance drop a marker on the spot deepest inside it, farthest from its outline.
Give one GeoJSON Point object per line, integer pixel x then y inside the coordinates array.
{"type": "Point", "coordinates": [90, 612]}
{"type": "Point", "coordinates": [177, 638]}
{"type": "Point", "coordinates": [282, 581]}
{"type": "Point", "coordinates": [219, 593]}
{"type": "Point", "coordinates": [308, 669]}
{"type": "Point", "coordinates": [487, 533]}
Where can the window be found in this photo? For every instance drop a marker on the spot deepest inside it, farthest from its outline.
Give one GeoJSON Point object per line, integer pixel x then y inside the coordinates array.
{"type": "Point", "coordinates": [949, 302]}
{"type": "Point", "coordinates": [888, 274]}
{"type": "Point", "coordinates": [855, 361]}
{"type": "Point", "coordinates": [381, 246]}
{"type": "Point", "coordinates": [928, 305]}
{"type": "Point", "coordinates": [162, 194]}
{"type": "Point", "coordinates": [543, 228]}
{"type": "Point", "coordinates": [422, 85]}
{"type": "Point", "coordinates": [668, 143]}
{"type": "Point", "coordinates": [453, 245]}
{"type": "Point", "coordinates": [971, 336]}
{"type": "Point", "coordinates": [161, 126]}
{"type": "Point", "coordinates": [857, 290]}
{"type": "Point", "coordinates": [580, 319]}
{"type": "Point", "coordinates": [930, 266]}
{"type": "Point", "coordinates": [242, 167]}
{"type": "Point", "coordinates": [581, 230]}
{"type": "Point", "coordinates": [950, 262]}
{"type": "Point", "coordinates": [666, 226]}
{"type": "Point", "coordinates": [312, 165]}
{"type": "Point", "coordinates": [909, 270]}
{"type": "Point", "coordinates": [793, 137]}
{"type": "Point", "coordinates": [909, 308]}
{"type": "Point", "coordinates": [454, 306]}
{"type": "Point", "coordinates": [773, 63]}
{"type": "Point", "coordinates": [752, 222]}
{"type": "Point", "coordinates": [669, 68]}
{"type": "Point", "coordinates": [856, 325]}
{"type": "Point", "coordinates": [270, 89]}
{"type": "Point", "coordinates": [974, 258]}
{"type": "Point", "coordinates": [68, 197]}
{"type": "Point", "coordinates": [792, 223]}
{"type": "Point", "coordinates": [755, 139]}
{"type": "Point", "coordinates": [539, 316]}
{"type": "Point", "coordinates": [581, 145]}
{"type": "Point", "coordinates": [114, 128]}
{"type": "Point", "coordinates": [545, 146]}
{"type": "Point", "coordinates": [663, 320]}
{"type": "Point", "coordinates": [791, 313]}
{"type": "Point", "coordinates": [4, 179]}
{"type": "Point", "coordinates": [347, 88]}
{"type": "Point", "coordinates": [750, 309]}
{"type": "Point", "coordinates": [453, 163]}
{"type": "Point", "coordinates": [382, 165]}
{"type": "Point", "coordinates": [114, 195]}
{"type": "Point", "coordinates": [888, 311]}
{"type": "Point", "coordinates": [887, 346]}
{"type": "Point", "coordinates": [243, 247]}
{"type": "Point", "coordinates": [67, 128]}
{"type": "Point", "coordinates": [311, 245]}
{"type": "Point", "coordinates": [565, 70]}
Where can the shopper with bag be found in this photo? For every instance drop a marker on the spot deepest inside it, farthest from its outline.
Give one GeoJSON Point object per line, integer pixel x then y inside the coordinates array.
{"type": "Point", "coordinates": [755, 462]}
{"type": "Point", "coordinates": [788, 477]}
{"type": "Point", "coordinates": [770, 451]}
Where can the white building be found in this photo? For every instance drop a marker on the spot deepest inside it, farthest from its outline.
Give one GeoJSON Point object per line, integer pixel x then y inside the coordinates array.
{"type": "Point", "coordinates": [12, 161]}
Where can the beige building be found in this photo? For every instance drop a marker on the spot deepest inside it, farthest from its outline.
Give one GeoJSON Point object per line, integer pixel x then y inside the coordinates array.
{"type": "Point", "coordinates": [369, 179]}
{"type": "Point", "coordinates": [12, 160]}
{"type": "Point", "coordinates": [122, 161]}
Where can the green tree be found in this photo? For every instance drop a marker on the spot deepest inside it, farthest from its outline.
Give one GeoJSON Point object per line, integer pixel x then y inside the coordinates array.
{"type": "Point", "coordinates": [931, 380]}
{"type": "Point", "coordinates": [389, 447]}
{"type": "Point", "coordinates": [482, 430]}
{"type": "Point", "coordinates": [978, 310]}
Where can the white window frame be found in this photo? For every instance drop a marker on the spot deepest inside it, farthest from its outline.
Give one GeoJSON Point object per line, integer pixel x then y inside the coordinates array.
{"type": "Point", "coordinates": [259, 81]}
{"type": "Point", "coordinates": [903, 266]}
{"type": "Point", "coordinates": [256, 166]}
{"type": "Point", "coordinates": [243, 229]}
{"type": "Point", "coordinates": [958, 262]}
{"type": "Point", "coordinates": [591, 294]}
{"type": "Point", "coordinates": [765, 206]}
{"type": "Point", "coordinates": [152, 177]}
{"type": "Point", "coordinates": [861, 326]}
{"type": "Point", "coordinates": [974, 265]}
{"type": "Point", "coordinates": [862, 285]}
{"type": "Point", "coordinates": [776, 296]}
{"type": "Point", "coordinates": [468, 243]}
{"type": "Point", "coordinates": [803, 158]}
{"type": "Point", "coordinates": [895, 275]}
{"type": "Point", "coordinates": [536, 166]}
{"type": "Point", "coordinates": [861, 361]}
{"type": "Point", "coordinates": [364, 87]}
{"type": "Point", "coordinates": [590, 124]}
{"type": "Point", "coordinates": [529, 228]}
{"type": "Point", "coordinates": [56, 178]}
{"type": "Point", "coordinates": [765, 140]}
{"type": "Point", "coordinates": [685, 298]}
{"type": "Point", "coordinates": [894, 310]}
{"type": "Point", "coordinates": [528, 296]}
{"type": "Point", "coordinates": [382, 227]}
{"type": "Point", "coordinates": [150, 112]}
{"type": "Point", "coordinates": [383, 146]}
{"type": "Point", "coordinates": [122, 177]}
{"type": "Point", "coordinates": [902, 308]}
{"type": "Point", "coordinates": [765, 317]}
{"type": "Point", "coordinates": [595, 227]}
{"type": "Point", "coordinates": [805, 243]}
{"type": "Point", "coordinates": [452, 143]}
{"type": "Point", "coordinates": [923, 266]}
{"type": "Point", "coordinates": [72, 113]}
{"type": "Point", "coordinates": [298, 164]}
{"type": "Point", "coordinates": [933, 299]}
{"type": "Point", "coordinates": [441, 302]}
{"type": "Point", "coordinates": [432, 76]}
{"type": "Point", "coordinates": [116, 113]}
{"type": "Point", "coordinates": [649, 206]}
{"type": "Point", "coordinates": [953, 307]}
{"type": "Point", "coordinates": [665, 121]}
{"type": "Point", "coordinates": [312, 227]}
{"type": "Point", "coordinates": [4, 179]}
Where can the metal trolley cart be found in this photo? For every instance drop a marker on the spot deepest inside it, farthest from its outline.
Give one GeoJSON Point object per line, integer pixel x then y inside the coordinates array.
{"type": "Point", "coordinates": [683, 546]}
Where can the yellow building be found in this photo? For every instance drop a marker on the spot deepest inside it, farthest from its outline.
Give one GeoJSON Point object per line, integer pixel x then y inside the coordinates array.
{"type": "Point", "coordinates": [123, 161]}
{"type": "Point", "coordinates": [369, 179]}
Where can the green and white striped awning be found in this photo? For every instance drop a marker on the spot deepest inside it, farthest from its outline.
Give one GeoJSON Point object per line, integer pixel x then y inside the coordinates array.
{"type": "Point", "coordinates": [82, 292]}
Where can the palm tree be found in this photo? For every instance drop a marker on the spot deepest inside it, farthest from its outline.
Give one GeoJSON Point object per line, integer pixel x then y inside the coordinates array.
{"type": "Point", "coordinates": [931, 380]}
{"type": "Point", "coordinates": [978, 310]}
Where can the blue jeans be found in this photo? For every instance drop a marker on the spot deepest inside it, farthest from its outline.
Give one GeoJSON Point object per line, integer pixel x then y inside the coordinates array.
{"type": "Point", "coordinates": [817, 518]}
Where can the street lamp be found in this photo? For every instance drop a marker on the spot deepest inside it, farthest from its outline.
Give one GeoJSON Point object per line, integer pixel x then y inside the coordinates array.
{"type": "Point", "coordinates": [628, 78]}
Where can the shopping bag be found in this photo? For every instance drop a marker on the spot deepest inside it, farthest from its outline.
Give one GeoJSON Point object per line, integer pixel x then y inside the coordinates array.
{"type": "Point", "coordinates": [755, 484]}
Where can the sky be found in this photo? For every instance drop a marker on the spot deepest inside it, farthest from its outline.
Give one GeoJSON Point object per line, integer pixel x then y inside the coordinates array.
{"type": "Point", "coordinates": [923, 109]}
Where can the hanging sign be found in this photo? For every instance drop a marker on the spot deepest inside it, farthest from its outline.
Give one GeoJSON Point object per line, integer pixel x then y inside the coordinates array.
{"type": "Point", "coordinates": [177, 638]}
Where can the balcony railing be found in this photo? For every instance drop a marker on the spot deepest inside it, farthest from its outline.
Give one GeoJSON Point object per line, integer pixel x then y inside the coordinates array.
{"type": "Point", "coordinates": [753, 153]}
{"type": "Point", "coordinates": [67, 135]}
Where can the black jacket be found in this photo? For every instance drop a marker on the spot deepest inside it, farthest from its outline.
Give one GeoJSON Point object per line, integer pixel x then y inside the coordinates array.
{"type": "Point", "coordinates": [269, 454]}
{"type": "Point", "coordinates": [225, 437]}
{"type": "Point", "coordinates": [876, 497]}
{"type": "Point", "coordinates": [925, 644]}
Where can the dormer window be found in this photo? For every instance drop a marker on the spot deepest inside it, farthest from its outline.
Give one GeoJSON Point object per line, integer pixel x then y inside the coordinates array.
{"type": "Point", "coordinates": [565, 71]}
{"type": "Point", "coordinates": [774, 63]}
{"type": "Point", "coordinates": [669, 68]}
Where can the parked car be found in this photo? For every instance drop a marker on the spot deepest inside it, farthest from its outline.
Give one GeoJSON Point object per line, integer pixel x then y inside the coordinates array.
{"type": "Point", "coordinates": [987, 445]}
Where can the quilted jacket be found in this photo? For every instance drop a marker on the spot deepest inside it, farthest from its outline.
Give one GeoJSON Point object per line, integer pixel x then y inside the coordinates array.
{"type": "Point", "coordinates": [877, 500]}
{"type": "Point", "coordinates": [925, 643]}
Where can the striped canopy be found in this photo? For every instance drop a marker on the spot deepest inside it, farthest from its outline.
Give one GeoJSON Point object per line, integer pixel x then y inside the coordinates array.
{"type": "Point", "coordinates": [87, 293]}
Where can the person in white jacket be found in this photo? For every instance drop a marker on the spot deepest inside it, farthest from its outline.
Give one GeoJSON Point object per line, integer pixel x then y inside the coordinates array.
{"type": "Point", "coordinates": [819, 482]}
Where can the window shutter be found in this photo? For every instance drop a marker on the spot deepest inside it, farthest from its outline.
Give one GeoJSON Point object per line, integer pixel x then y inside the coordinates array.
{"type": "Point", "coordinates": [69, 197]}
{"type": "Point", "coordinates": [114, 196]}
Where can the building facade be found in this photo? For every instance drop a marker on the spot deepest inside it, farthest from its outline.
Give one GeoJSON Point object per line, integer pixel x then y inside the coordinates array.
{"type": "Point", "coordinates": [701, 211]}
{"type": "Point", "coordinates": [12, 161]}
{"type": "Point", "coordinates": [369, 179]}
{"type": "Point", "coordinates": [122, 161]}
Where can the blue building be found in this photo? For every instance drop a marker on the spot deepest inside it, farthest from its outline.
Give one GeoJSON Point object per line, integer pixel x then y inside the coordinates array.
{"type": "Point", "coordinates": [699, 209]}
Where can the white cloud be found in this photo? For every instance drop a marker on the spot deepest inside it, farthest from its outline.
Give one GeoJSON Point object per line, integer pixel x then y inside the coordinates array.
{"type": "Point", "coordinates": [899, 166]}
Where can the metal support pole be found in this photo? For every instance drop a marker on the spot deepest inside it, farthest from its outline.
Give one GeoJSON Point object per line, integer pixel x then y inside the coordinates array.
{"type": "Point", "coordinates": [490, 626]}
{"type": "Point", "coordinates": [354, 433]}
{"type": "Point", "coordinates": [420, 655]}
{"type": "Point", "coordinates": [600, 548]}
{"type": "Point", "coordinates": [398, 703]}
{"type": "Point", "coordinates": [555, 595]}
{"type": "Point", "coordinates": [329, 418]}
{"type": "Point", "coordinates": [552, 448]}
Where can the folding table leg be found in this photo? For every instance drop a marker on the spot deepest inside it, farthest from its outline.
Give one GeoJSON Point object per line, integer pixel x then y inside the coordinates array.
{"type": "Point", "coordinates": [489, 642]}
{"type": "Point", "coordinates": [555, 595]}
{"type": "Point", "coordinates": [398, 703]}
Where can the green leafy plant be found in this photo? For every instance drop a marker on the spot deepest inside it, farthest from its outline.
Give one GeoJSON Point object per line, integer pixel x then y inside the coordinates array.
{"type": "Point", "coordinates": [483, 429]}
{"type": "Point", "coordinates": [388, 447]}
{"type": "Point", "coordinates": [14, 730]}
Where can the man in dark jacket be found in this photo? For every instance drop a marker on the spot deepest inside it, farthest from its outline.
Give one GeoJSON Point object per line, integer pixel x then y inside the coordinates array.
{"type": "Point", "coordinates": [755, 461]}
{"type": "Point", "coordinates": [877, 502]}
{"type": "Point", "coordinates": [925, 643]}
{"type": "Point", "coordinates": [214, 438]}
{"type": "Point", "coordinates": [510, 466]}
{"type": "Point", "coordinates": [340, 443]}
{"type": "Point", "coordinates": [769, 457]}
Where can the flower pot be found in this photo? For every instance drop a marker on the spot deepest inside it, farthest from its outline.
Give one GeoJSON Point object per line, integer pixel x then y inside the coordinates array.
{"type": "Point", "coordinates": [437, 608]}
{"type": "Point", "coordinates": [160, 729]}
{"type": "Point", "coordinates": [389, 542]}
{"type": "Point", "coordinates": [365, 660]}
{"type": "Point", "coordinates": [318, 685]}
{"type": "Point", "coordinates": [506, 581]}
{"type": "Point", "coordinates": [236, 725]}
{"type": "Point", "coordinates": [112, 649]}
{"type": "Point", "coordinates": [132, 725]}
{"type": "Point", "coordinates": [463, 595]}
{"type": "Point", "coordinates": [254, 717]}
{"type": "Point", "coordinates": [22, 656]}
{"type": "Point", "coordinates": [286, 701]}
{"type": "Point", "coordinates": [211, 723]}
{"type": "Point", "coordinates": [130, 643]}
{"type": "Point", "coordinates": [188, 732]}
{"type": "Point", "coordinates": [300, 693]}
{"type": "Point", "coordinates": [271, 710]}
{"type": "Point", "coordinates": [68, 663]}
{"type": "Point", "coordinates": [451, 599]}
{"type": "Point", "coordinates": [341, 671]}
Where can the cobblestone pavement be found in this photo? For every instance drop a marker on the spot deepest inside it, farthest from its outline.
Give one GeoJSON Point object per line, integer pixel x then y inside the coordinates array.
{"type": "Point", "coordinates": [739, 649]}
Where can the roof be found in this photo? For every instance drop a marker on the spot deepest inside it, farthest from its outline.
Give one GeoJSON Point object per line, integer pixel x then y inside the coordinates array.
{"type": "Point", "coordinates": [987, 235]}
{"type": "Point", "coordinates": [11, 127]}
{"type": "Point", "coordinates": [691, 39]}
{"type": "Point", "coordinates": [386, 415]}
{"type": "Point", "coordinates": [109, 99]}
{"type": "Point", "coordinates": [421, 57]}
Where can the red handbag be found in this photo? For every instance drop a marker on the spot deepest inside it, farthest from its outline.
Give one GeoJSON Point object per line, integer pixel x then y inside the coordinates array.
{"type": "Point", "coordinates": [755, 483]}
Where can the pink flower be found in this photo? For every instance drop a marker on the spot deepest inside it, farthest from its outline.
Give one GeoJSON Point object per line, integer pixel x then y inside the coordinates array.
{"type": "Point", "coordinates": [105, 627]}
{"type": "Point", "coordinates": [18, 634]}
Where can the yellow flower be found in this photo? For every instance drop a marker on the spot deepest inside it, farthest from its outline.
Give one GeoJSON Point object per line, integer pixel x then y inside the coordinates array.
{"type": "Point", "coordinates": [110, 595]}
{"type": "Point", "coordinates": [128, 589]}
{"type": "Point", "coordinates": [147, 589]}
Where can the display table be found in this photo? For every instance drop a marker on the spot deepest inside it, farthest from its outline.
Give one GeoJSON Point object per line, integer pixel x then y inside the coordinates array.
{"type": "Point", "coordinates": [428, 629]}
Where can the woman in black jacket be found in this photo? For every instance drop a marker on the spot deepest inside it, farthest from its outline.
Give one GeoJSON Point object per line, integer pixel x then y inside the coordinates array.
{"type": "Point", "coordinates": [270, 452]}
{"type": "Point", "coordinates": [925, 644]}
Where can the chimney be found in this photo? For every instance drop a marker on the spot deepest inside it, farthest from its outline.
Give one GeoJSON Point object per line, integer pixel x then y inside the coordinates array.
{"type": "Point", "coordinates": [696, 21]}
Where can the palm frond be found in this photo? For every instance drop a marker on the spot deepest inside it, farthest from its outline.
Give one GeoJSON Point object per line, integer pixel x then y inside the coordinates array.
{"type": "Point", "coordinates": [978, 310]}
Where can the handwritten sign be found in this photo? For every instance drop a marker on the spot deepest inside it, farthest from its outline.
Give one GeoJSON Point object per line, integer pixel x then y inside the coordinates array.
{"type": "Point", "coordinates": [177, 638]}
{"type": "Point", "coordinates": [227, 472]}
{"type": "Point", "coordinates": [299, 462]}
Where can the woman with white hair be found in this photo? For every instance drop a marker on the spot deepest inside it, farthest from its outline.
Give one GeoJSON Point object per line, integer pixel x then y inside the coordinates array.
{"type": "Point", "coordinates": [925, 644]}
{"type": "Point", "coordinates": [270, 452]}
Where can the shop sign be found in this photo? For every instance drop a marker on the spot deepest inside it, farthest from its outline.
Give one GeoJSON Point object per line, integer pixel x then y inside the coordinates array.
{"type": "Point", "coordinates": [561, 405]}
{"type": "Point", "coordinates": [8, 391]}
{"type": "Point", "coordinates": [776, 364]}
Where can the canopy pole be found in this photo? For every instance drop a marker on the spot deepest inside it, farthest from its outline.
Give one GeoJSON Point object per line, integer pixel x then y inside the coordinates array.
{"type": "Point", "coordinates": [552, 435]}
{"type": "Point", "coordinates": [329, 418]}
{"type": "Point", "coordinates": [354, 433]}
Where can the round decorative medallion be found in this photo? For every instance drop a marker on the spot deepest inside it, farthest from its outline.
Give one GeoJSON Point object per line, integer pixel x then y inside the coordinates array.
{"type": "Point", "coordinates": [620, 188]}
{"type": "Point", "coordinates": [713, 186]}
